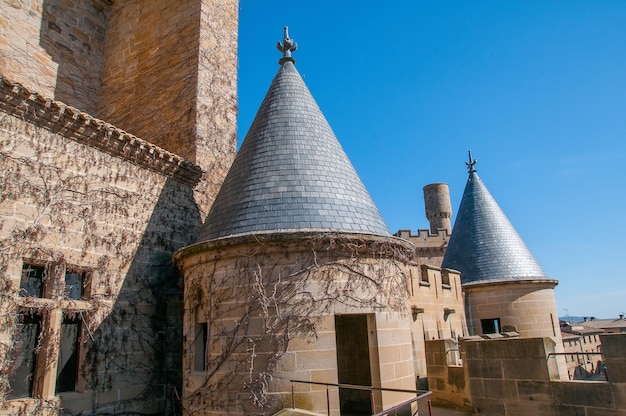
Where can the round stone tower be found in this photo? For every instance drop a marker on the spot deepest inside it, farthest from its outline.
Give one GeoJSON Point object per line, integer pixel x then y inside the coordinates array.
{"type": "Point", "coordinates": [295, 275]}
{"type": "Point", "coordinates": [438, 207]}
{"type": "Point", "coordinates": [506, 290]}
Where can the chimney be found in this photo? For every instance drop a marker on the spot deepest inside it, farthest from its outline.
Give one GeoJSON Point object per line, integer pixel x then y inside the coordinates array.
{"type": "Point", "coordinates": [438, 207]}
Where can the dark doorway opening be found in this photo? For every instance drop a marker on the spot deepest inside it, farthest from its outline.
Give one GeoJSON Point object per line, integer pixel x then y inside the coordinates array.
{"type": "Point", "coordinates": [353, 364]}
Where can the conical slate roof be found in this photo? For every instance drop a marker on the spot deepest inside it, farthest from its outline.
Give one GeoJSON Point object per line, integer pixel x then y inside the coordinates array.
{"type": "Point", "coordinates": [291, 173]}
{"type": "Point", "coordinates": [484, 246]}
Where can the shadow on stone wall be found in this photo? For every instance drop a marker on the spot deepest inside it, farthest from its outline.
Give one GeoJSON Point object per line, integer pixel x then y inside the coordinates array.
{"type": "Point", "coordinates": [73, 34]}
{"type": "Point", "coordinates": [515, 377]}
{"type": "Point", "coordinates": [134, 360]}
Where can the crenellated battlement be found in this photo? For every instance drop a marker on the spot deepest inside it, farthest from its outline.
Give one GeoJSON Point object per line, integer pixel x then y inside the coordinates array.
{"type": "Point", "coordinates": [424, 238]}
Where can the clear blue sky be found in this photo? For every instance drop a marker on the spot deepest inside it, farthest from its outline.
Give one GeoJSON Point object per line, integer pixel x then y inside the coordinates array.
{"type": "Point", "coordinates": [536, 89]}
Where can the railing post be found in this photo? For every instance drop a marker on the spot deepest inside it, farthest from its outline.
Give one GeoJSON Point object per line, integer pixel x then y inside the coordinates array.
{"type": "Point", "coordinates": [293, 398]}
{"type": "Point", "coordinates": [430, 407]}
{"type": "Point", "coordinates": [327, 401]}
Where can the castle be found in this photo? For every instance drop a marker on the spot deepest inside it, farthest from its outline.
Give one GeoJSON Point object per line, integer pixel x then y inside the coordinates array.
{"type": "Point", "coordinates": [148, 268]}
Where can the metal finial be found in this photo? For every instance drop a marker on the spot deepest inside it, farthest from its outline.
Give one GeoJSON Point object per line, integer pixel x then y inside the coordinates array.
{"type": "Point", "coordinates": [286, 47]}
{"type": "Point", "coordinates": [472, 162]}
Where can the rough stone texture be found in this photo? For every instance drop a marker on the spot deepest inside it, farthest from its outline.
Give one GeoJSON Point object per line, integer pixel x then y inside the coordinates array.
{"type": "Point", "coordinates": [55, 48]}
{"type": "Point", "coordinates": [67, 203]}
{"type": "Point", "coordinates": [514, 376]}
{"type": "Point", "coordinates": [436, 307]}
{"type": "Point", "coordinates": [430, 248]}
{"type": "Point", "coordinates": [449, 383]}
{"type": "Point", "coordinates": [81, 192]}
{"type": "Point", "coordinates": [176, 61]}
{"type": "Point", "coordinates": [270, 302]}
{"type": "Point", "coordinates": [438, 206]}
{"type": "Point", "coordinates": [526, 307]}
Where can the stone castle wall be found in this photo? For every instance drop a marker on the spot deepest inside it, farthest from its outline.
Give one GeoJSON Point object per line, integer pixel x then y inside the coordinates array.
{"type": "Point", "coordinates": [269, 303]}
{"type": "Point", "coordinates": [78, 194]}
{"type": "Point", "coordinates": [55, 48]}
{"type": "Point", "coordinates": [517, 376]}
{"type": "Point", "coordinates": [526, 307]}
{"type": "Point", "coordinates": [170, 74]}
{"type": "Point", "coordinates": [162, 70]}
{"type": "Point", "coordinates": [437, 312]}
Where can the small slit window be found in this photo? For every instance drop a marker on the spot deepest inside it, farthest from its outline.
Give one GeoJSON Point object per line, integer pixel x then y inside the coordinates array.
{"type": "Point", "coordinates": [200, 347]}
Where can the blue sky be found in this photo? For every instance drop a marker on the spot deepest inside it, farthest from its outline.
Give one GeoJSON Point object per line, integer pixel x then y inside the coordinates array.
{"type": "Point", "coordinates": [536, 89]}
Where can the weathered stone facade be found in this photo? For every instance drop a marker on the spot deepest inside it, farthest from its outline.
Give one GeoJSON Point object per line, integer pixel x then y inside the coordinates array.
{"type": "Point", "coordinates": [70, 203]}
{"type": "Point", "coordinates": [272, 306]}
{"type": "Point", "coordinates": [55, 48]}
{"type": "Point", "coordinates": [90, 214]}
{"type": "Point", "coordinates": [526, 307]}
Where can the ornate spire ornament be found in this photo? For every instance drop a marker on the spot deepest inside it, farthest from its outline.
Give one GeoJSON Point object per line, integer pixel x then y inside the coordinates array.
{"type": "Point", "coordinates": [472, 162]}
{"type": "Point", "coordinates": [286, 47]}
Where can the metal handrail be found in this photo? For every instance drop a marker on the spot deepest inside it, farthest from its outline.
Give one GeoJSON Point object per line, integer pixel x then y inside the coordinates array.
{"type": "Point", "coordinates": [397, 407]}
{"type": "Point", "coordinates": [421, 395]}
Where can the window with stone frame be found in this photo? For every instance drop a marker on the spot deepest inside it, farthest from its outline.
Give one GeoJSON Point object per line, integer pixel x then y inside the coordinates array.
{"type": "Point", "coordinates": [491, 326]}
{"type": "Point", "coordinates": [67, 365]}
{"type": "Point", "coordinates": [24, 358]}
{"type": "Point", "coordinates": [53, 299]}
{"type": "Point", "coordinates": [424, 280]}
{"type": "Point", "coordinates": [445, 279]}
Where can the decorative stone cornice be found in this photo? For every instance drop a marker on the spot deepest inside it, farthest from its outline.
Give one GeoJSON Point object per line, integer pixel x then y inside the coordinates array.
{"type": "Point", "coordinates": [17, 100]}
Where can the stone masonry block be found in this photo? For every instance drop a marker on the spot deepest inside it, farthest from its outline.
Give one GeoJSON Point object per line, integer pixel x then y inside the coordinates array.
{"type": "Point", "coordinates": [525, 369]}
{"type": "Point", "coordinates": [534, 391]}
{"type": "Point", "coordinates": [597, 394]}
{"type": "Point", "coordinates": [485, 368]}
{"type": "Point", "coordinates": [499, 388]}
{"type": "Point", "coordinates": [489, 407]}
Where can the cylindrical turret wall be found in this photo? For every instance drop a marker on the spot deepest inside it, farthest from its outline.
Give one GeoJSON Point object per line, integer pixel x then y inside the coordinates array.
{"type": "Point", "coordinates": [264, 309]}
{"type": "Point", "coordinates": [526, 307]}
{"type": "Point", "coordinates": [438, 207]}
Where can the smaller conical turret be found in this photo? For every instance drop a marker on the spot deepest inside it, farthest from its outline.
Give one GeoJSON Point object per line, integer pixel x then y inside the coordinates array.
{"type": "Point", "coordinates": [484, 246]}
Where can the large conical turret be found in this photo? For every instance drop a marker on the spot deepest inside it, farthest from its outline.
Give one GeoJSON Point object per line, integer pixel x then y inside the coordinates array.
{"type": "Point", "coordinates": [484, 246]}
{"type": "Point", "coordinates": [291, 173]}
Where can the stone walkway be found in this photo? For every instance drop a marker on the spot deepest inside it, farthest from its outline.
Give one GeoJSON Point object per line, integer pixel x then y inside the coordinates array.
{"type": "Point", "coordinates": [437, 411]}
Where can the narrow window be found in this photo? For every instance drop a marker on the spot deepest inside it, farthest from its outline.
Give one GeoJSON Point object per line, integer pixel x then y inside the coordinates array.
{"type": "Point", "coordinates": [22, 373]}
{"type": "Point", "coordinates": [445, 279]}
{"type": "Point", "coordinates": [31, 284]}
{"type": "Point", "coordinates": [424, 274]}
{"type": "Point", "coordinates": [200, 347]}
{"type": "Point", "coordinates": [67, 367]}
{"type": "Point", "coordinates": [74, 281]}
{"type": "Point", "coordinates": [490, 326]}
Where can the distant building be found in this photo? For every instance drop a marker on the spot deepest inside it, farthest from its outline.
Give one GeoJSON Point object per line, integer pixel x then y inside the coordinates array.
{"type": "Point", "coordinates": [608, 326]}
{"type": "Point", "coordinates": [583, 347]}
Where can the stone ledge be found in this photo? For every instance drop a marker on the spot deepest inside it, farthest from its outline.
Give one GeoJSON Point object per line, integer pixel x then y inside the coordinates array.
{"type": "Point", "coordinates": [17, 100]}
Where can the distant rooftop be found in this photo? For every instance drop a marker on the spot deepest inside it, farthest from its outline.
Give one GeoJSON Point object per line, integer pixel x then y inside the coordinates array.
{"type": "Point", "coordinates": [484, 246]}
{"type": "Point", "coordinates": [291, 173]}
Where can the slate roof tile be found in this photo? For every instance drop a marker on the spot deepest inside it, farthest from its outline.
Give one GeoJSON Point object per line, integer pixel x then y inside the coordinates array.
{"type": "Point", "coordinates": [292, 166]}
{"type": "Point", "coordinates": [484, 246]}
